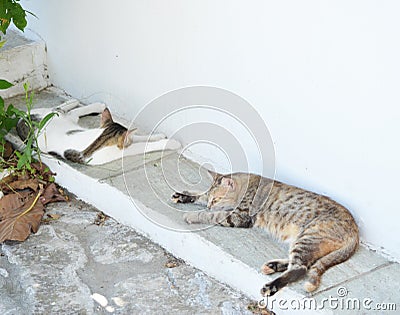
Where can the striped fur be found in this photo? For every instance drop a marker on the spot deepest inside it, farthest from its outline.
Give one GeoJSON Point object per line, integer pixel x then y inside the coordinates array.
{"type": "Point", "coordinates": [321, 232]}
{"type": "Point", "coordinates": [64, 138]}
{"type": "Point", "coordinates": [113, 134]}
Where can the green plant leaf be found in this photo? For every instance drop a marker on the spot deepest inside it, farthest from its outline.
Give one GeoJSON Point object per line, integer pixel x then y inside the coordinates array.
{"type": "Point", "coordinates": [4, 23]}
{"type": "Point", "coordinates": [25, 159]}
{"type": "Point", "coordinates": [2, 43]}
{"type": "Point", "coordinates": [44, 121]}
{"type": "Point", "coordinates": [11, 110]}
{"type": "Point", "coordinates": [5, 84]}
{"type": "Point", "coordinates": [18, 16]}
{"type": "Point", "coordinates": [5, 15]}
{"type": "Point", "coordinates": [10, 123]}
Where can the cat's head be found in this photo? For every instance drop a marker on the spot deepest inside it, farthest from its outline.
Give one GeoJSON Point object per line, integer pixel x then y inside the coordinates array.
{"type": "Point", "coordinates": [125, 139]}
{"type": "Point", "coordinates": [223, 193]}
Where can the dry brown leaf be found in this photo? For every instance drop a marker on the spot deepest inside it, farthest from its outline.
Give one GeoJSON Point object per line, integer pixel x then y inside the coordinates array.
{"type": "Point", "coordinates": [25, 219]}
{"type": "Point", "coordinates": [23, 184]}
{"type": "Point", "coordinates": [50, 217]}
{"type": "Point", "coordinates": [8, 150]}
{"type": "Point", "coordinates": [10, 202]}
{"type": "Point", "coordinates": [18, 222]}
{"type": "Point", "coordinates": [172, 261]}
{"type": "Point", "coordinates": [54, 216]}
{"type": "Point", "coordinates": [255, 308]}
{"type": "Point", "coordinates": [51, 194]}
{"type": "Point", "coordinates": [8, 179]}
{"type": "Point", "coordinates": [100, 218]}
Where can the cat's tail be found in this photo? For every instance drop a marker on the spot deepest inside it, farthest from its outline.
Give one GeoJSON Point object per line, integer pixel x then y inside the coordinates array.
{"type": "Point", "coordinates": [22, 127]}
{"type": "Point", "coordinates": [74, 156]}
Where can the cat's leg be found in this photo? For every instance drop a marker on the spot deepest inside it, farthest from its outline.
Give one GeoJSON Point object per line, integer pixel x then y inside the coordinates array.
{"type": "Point", "coordinates": [328, 260]}
{"type": "Point", "coordinates": [276, 265]}
{"type": "Point", "coordinates": [67, 106]}
{"type": "Point", "coordinates": [304, 252]}
{"type": "Point", "coordinates": [95, 108]}
{"type": "Point", "coordinates": [148, 138]}
{"type": "Point", "coordinates": [232, 218]}
{"type": "Point", "coordinates": [190, 197]}
{"type": "Point", "coordinates": [147, 147]}
{"type": "Point", "coordinates": [292, 274]}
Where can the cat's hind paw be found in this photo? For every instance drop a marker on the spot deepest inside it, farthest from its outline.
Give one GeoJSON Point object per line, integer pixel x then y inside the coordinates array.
{"type": "Point", "coordinates": [269, 289]}
{"type": "Point", "coordinates": [182, 198]}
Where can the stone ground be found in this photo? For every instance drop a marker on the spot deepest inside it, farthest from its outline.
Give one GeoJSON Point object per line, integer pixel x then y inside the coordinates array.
{"type": "Point", "coordinates": [57, 271]}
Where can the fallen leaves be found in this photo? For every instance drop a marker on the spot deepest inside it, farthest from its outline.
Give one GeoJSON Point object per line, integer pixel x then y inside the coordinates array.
{"type": "Point", "coordinates": [50, 217]}
{"type": "Point", "coordinates": [22, 207]}
{"type": "Point", "coordinates": [100, 219]}
{"type": "Point", "coordinates": [172, 261]}
{"type": "Point", "coordinates": [32, 183]}
{"type": "Point", "coordinates": [8, 150]}
{"type": "Point", "coordinates": [257, 309]}
{"type": "Point", "coordinates": [18, 224]}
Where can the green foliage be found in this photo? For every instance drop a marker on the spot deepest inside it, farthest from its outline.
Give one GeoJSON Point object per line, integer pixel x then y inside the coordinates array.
{"type": "Point", "coordinates": [12, 11]}
{"type": "Point", "coordinates": [5, 84]}
{"type": "Point", "coordinates": [9, 119]}
{"type": "Point", "coordinates": [35, 128]}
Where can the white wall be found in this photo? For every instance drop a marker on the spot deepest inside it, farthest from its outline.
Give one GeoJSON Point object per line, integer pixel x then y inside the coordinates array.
{"type": "Point", "coordinates": [324, 75]}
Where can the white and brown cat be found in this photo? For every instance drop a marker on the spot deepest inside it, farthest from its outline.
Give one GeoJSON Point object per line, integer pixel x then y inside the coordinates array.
{"type": "Point", "coordinates": [65, 138]}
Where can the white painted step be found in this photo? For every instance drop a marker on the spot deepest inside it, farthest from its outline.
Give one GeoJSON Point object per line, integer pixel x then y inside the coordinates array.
{"type": "Point", "coordinates": [23, 59]}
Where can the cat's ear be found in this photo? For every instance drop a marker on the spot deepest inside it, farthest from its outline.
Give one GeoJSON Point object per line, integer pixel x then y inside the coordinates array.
{"type": "Point", "coordinates": [213, 174]}
{"type": "Point", "coordinates": [228, 182]}
{"type": "Point", "coordinates": [106, 117]}
{"type": "Point", "coordinates": [127, 136]}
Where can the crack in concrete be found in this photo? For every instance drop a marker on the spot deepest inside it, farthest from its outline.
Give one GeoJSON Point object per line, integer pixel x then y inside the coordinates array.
{"type": "Point", "coordinates": [353, 278]}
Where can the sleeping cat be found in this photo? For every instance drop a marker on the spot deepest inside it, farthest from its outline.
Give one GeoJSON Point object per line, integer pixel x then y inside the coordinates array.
{"type": "Point", "coordinates": [63, 137]}
{"type": "Point", "coordinates": [321, 232]}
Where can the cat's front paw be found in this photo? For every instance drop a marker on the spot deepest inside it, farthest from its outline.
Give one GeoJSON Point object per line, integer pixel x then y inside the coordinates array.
{"type": "Point", "coordinates": [191, 217]}
{"type": "Point", "coordinates": [182, 198]}
{"type": "Point", "coordinates": [172, 145]}
{"type": "Point", "coordinates": [158, 137]}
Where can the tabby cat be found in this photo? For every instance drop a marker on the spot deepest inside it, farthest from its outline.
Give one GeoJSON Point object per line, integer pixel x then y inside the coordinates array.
{"type": "Point", "coordinates": [64, 138]}
{"type": "Point", "coordinates": [321, 232]}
